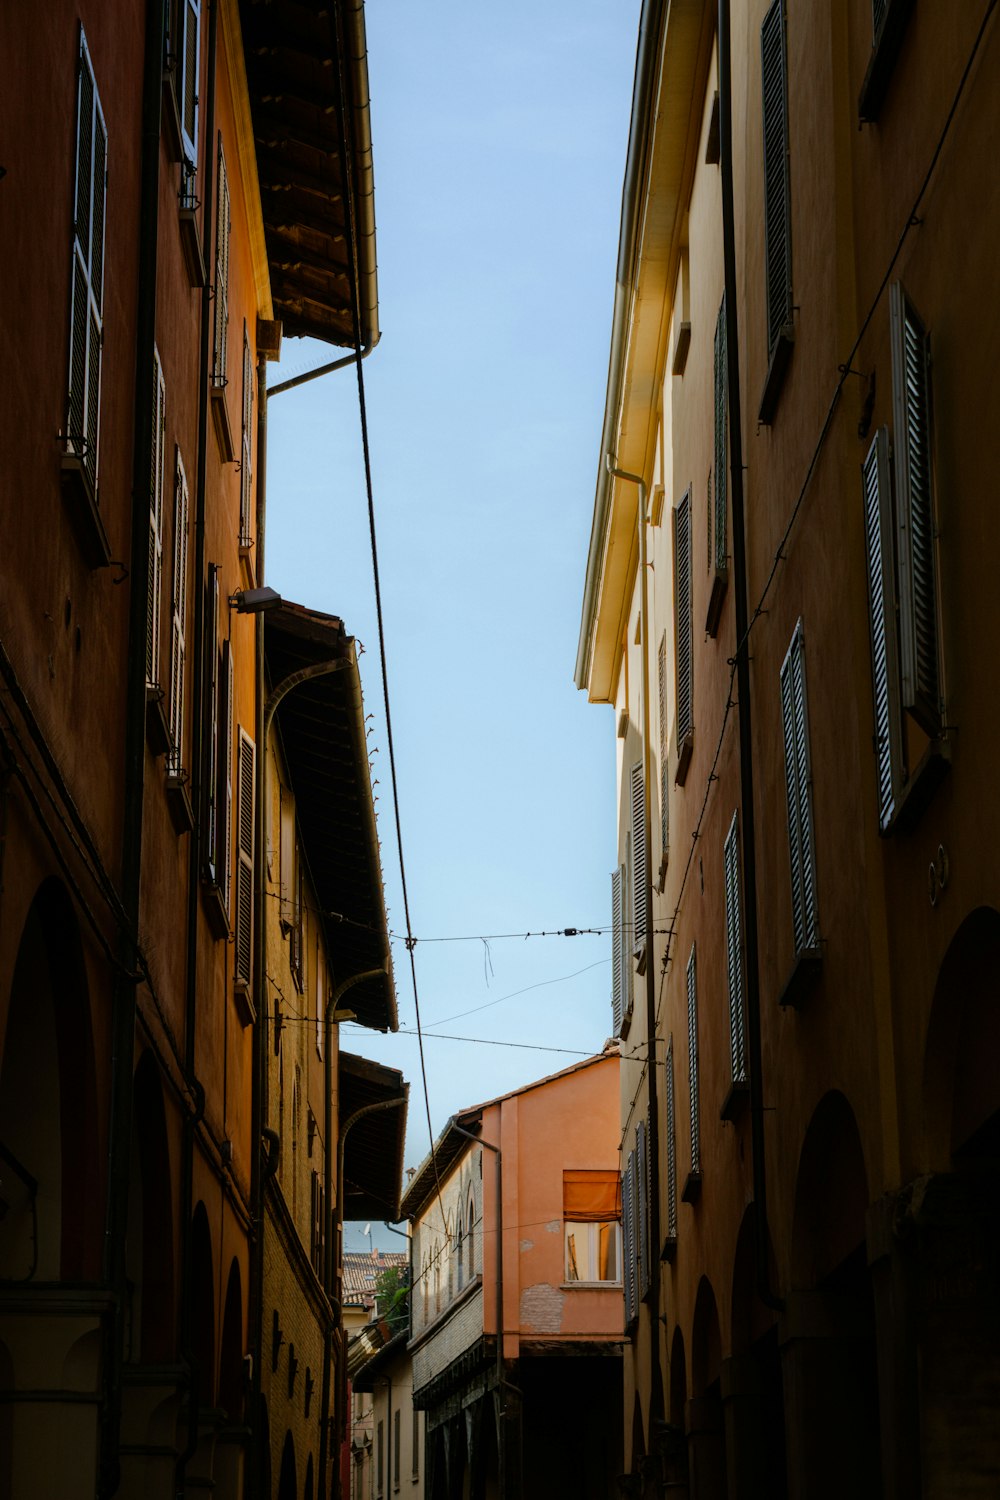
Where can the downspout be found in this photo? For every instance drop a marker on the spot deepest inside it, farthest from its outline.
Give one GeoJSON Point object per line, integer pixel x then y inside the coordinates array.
{"type": "Point", "coordinates": [333, 1225]}
{"type": "Point", "coordinates": [126, 982]}
{"type": "Point", "coordinates": [653, 1147]}
{"type": "Point", "coordinates": [748, 820]}
{"type": "Point", "coordinates": [197, 726]}
{"type": "Point", "coordinates": [500, 1381]}
{"type": "Point", "coordinates": [338, 364]}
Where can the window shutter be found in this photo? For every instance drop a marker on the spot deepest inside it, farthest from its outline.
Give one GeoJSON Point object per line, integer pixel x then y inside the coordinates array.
{"type": "Point", "coordinates": [617, 954]}
{"type": "Point", "coordinates": [798, 786]}
{"type": "Point", "coordinates": [693, 1095]}
{"type": "Point", "coordinates": [178, 648]}
{"type": "Point", "coordinates": [226, 753]}
{"type": "Point", "coordinates": [244, 860]}
{"type": "Point", "coordinates": [246, 464]}
{"type": "Point", "coordinates": [721, 418]}
{"type": "Point", "coordinates": [222, 226]}
{"type": "Point", "coordinates": [154, 583]}
{"type": "Point", "coordinates": [671, 1147]}
{"type": "Point", "coordinates": [642, 1183]}
{"type": "Point", "coordinates": [661, 666]}
{"type": "Point", "coordinates": [87, 309]}
{"type": "Point", "coordinates": [734, 946]}
{"type": "Point", "coordinates": [640, 883]}
{"type": "Point", "coordinates": [918, 627]}
{"type": "Point", "coordinates": [188, 61]}
{"type": "Point", "coordinates": [777, 227]}
{"type": "Point", "coordinates": [211, 770]}
{"type": "Point", "coordinates": [682, 619]}
{"type": "Point", "coordinates": [628, 1235]}
{"type": "Point", "coordinates": [882, 617]}
{"type": "Point", "coordinates": [320, 998]}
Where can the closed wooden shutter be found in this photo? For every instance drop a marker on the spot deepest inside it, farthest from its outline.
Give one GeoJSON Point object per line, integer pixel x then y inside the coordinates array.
{"type": "Point", "coordinates": [244, 860]}
{"type": "Point", "coordinates": [734, 951]}
{"type": "Point", "coordinates": [661, 673]}
{"type": "Point", "coordinates": [87, 281]}
{"type": "Point", "coordinates": [222, 228]}
{"type": "Point", "coordinates": [918, 618]}
{"type": "Point", "coordinates": [629, 1236]}
{"type": "Point", "coordinates": [188, 62]}
{"type": "Point", "coordinates": [178, 633]}
{"type": "Point", "coordinates": [642, 1182]}
{"type": "Point", "coordinates": [227, 752]}
{"type": "Point", "coordinates": [693, 1091]}
{"type": "Point", "coordinates": [882, 619]}
{"type": "Point", "coordinates": [721, 430]}
{"type": "Point", "coordinates": [777, 226]}
{"type": "Point", "coordinates": [798, 787]}
{"type": "Point", "coordinates": [640, 882]}
{"type": "Point", "coordinates": [683, 619]}
{"type": "Point", "coordinates": [210, 781]}
{"type": "Point", "coordinates": [671, 1146]}
{"type": "Point", "coordinates": [246, 462]}
{"type": "Point", "coordinates": [618, 955]}
{"type": "Point", "coordinates": [154, 582]}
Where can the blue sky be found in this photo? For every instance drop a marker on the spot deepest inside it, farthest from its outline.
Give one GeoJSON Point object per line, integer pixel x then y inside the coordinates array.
{"type": "Point", "coordinates": [499, 148]}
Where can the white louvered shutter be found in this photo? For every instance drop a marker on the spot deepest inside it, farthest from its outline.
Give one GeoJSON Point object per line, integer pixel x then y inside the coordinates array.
{"type": "Point", "coordinates": [640, 883]}
{"type": "Point", "coordinates": [178, 641]}
{"type": "Point", "coordinates": [694, 1100]}
{"type": "Point", "coordinates": [642, 1182]}
{"type": "Point", "coordinates": [211, 770]}
{"type": "Point", "coordinates": [222, 228]}
{"type": "Point", "coordinates": [154, 582]}
{"type": "Point", "coordinates": [777, 226]}
{"type": "Point", "coordinates": [227, 752]}
{"type": "Point", "coordinates": [882, 618]}
{"type": "Point", "coordinates": [734, 952]}
{"type": "Point", "coordinates": [628, 1235]}
{"type": "Point", "coordinates": [918, 618]}
{"type": "Point", "coordinates": [682, 619]}
{"type": "Point", "coordinates": [661, 673]}
{"type": "Point", "coordinates": [188, 63]}
{"type": "Point", "coordinates": [617, 954]}
{"type": "Point", "coordinates": [246, 462]}
{"type": "Point", "coordinates": [671, 1146]}
{"type": "Point", "coordinates": [244, 859]}
{"type": "Point", "coordinates": [721, 420]}
{"type": "Point", "coordinates": [798, 788]}
{"type": "Point", "coordinates": [87, 306]}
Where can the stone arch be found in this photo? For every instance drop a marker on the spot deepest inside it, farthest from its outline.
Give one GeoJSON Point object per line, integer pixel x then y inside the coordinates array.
{"type": "Point", "coordinates": [675, 1470]}
{"type": "Point", "coordinates": [831, 1193]}
{"type": "Point", "coordinates": [48, 1109]}
{"type": "Point", "coordinates": [287, 1489]}
{"type": "Point", "coordinates": [706, 1434]}
{"type": "Point", "coordinates": [706, 1340]}
{"type": "Point", "coordinates": [755, 1393]}
{"type": "Point", "coordinates": [961, 1088]}
{"type": "Point", "coordinates": [202, 1306]}
{"type": "Point", "coordinates": [231, 1353]}
{"type": "Point", "coordinates": [149, 1244]}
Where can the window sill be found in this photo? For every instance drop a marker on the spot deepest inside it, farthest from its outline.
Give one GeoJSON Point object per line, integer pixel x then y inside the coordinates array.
{"type": "Point", "coordinates": [883, 59]}
{"type": "Point", "coordinates": [669, 1250]}
{"type": "Point", "coordinates": [684, 753]}
{"type": "Point", "coordinates": [691, 1191]}
{"type": "Point", "coordinates": [215, 908]}
{"type": "Point", "coordinates": [81, 498]}
{"type": "Point", "coordinates": [179, 802]}
{"type": "Point", "coordinates": [220, 419]}
{"type": "Point", "coordinates": [735, 1101]}
{"type": "Point", "coordinates": [591, 1286]}
{"type": "Point", "coordinates": [801, 981]}
{"type": "Point", "coordinates": [244, 1004]}
{"type": "Point", "coordinates": [719, 585]}
{"type": "Point", "coordinates": [157, 728]}
{"type": "Point", "coordinates": [780, 358]}
{"type": "Point", "coordinates": [932, 768]}
{"type": "Point", "coordinates": [191, 245]}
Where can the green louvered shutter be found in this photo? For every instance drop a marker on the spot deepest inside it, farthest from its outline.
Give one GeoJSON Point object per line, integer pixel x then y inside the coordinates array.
{"type": "Point", "coordinates": [683, 619]}
{"type": "Point", "coordinates": [734, 954]}
{"type": "Point", "coordinates": [693, 1091]}
{"type": "Point", "coordinates": [777, 225]}
{"type": "Point", "coordinates": [721, 419]}
{"type": "Point", "coordinates": [798, 788]}
{"type": "Point", "coordinates": [882, 618]}
{"type": "Point", "coordinates": [918, 620]}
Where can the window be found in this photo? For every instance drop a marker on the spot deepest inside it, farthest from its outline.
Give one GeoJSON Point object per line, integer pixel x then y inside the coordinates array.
{"type": "Point", "coordinates": [379, 1458]}
{"type": "Point", "coordinates": [87, 307]}
{"type": "Point", "coordinates": [718, 518]}
{"type": "Point", "coordinates": [244, 862]}
{"type": "Point", "coordinates": [187, 63]}
{"type": "Point", "coordinates": [246, 460]}
{"type": "Point", "coordinates": [470, 1224]}
{"type": "Point", "coordinates": [415, 1446]}
{"type": "Point", "coordinates": [212, 692]}
{"type": "Point", "coordinates": [798, 786]}
{"type": "Point", "coordinates": [222, 228]}
{"type": "Point", "coordinates": [297, 947]}
{"type": "Point", "coordinates": [889, 21]}
{"type": "Point", "coordinates": [661, 676]}
{"type": "Point", "coordinates": [777, 216]}
{"type": "Point", "coordinates": [671, 1147]}
{"type": "Point", "coordinates": [643, 1194]}
{"type": "Point", "coordinates": [286, 856]}
{"type": "Point", "coordinates": [640, 879]}
{"type": "Point", "coordinates": [734, 952]}
{"type": "Point", "coordinates": [683, 637]}
{"type": "Point", "coordinates": [693, 1097]}
{"type": "Point", "coordinates": [178, 630]}
{"type": "Point", "coordinates": [628, 1235]}
{"type": "Point", "coordinates": [320, 997]}
{"type": "Point", "coordinates": [460, 1253]}
{"type": "Point", "coordinates": [154, 585]}
{"type": "Point", "coordinates": [395, 1449]}
{"type": "Point", "coordinates": [227, 750]}
{"type": "Point", "coordinates": [620, 969]}
{"type": "Point", "coordinates": [591, 1210]}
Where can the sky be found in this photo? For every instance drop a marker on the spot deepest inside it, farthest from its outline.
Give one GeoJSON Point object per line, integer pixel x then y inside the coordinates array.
{"type": "Point", "coordinates": [499, 137]}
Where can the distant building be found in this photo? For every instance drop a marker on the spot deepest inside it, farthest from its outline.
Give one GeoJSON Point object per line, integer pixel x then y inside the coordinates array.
{"type": "Point", "coordinates": [805, 892]}
{"type": "Point", "coordinates": [516, 1227]}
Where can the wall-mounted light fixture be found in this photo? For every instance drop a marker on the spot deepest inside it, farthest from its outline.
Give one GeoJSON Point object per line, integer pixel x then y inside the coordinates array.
{"type": "Point", "coordinates": [254, 601]}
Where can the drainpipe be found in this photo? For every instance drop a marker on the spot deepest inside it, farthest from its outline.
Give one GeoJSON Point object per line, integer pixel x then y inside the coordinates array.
{"type": "Point", "coordinates": [333, 1227]}
{"type": "Point", "coordinates": [197, 729]}
{"type": "Point", "coordinates": [126, 982]}
{"type": "Point", "coordinates": [501, 1382]}
{"type": "Point", "coordinates": [338, 364]}
{"type": "Point", "coordinates": [748, 820]}
{"type": "Point", "coordinates": [650, 973]}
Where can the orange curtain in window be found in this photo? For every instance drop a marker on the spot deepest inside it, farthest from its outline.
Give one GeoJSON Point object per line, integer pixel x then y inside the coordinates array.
{"type": "Point", "coordinates": [591, 1197]}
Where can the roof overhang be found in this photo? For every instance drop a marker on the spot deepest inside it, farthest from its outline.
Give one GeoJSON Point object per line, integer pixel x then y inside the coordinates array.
{"type": "Point", "coordinates": [321, 723]}
{"type": "Point", "coordinates": [674, 52]}
{"type": "Point", "coordinates": [373, 1146]}
{"type": "Point", "coordinates": [450, 1146]}
{"type": "Point", "coordinates": [307, 76]}
{"type": "Point", "coordinates": [370, 1351]}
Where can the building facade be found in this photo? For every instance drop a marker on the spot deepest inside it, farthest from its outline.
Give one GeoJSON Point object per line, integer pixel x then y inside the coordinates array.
{"type": "Point", "coordinates": [516, 1228]}
{"type": "Point", "coordinates": [805, 904]}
